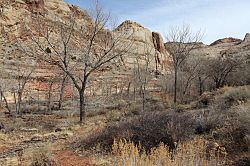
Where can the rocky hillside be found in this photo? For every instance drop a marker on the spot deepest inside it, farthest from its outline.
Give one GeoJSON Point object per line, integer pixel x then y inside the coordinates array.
{"type": "Point", "coordinates": [228, 46]}
{"type": "Point", "coordinates": [16, 15]}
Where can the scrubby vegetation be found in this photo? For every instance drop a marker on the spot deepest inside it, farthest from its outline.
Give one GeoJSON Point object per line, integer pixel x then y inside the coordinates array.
{"type": "Point", "coordinates": [145, 134]}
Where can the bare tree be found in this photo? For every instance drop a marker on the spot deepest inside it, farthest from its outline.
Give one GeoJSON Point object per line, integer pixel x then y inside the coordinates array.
{"type": "Point", "coordinates": [62, 87]}
{"type": "Point", "coordinates": [219, 69]}
{"type": "Point", "coordinates": [181, 41]}
{"type": "Point", "coordinates": [81, 50]}
{"type": "Point", "coordinates": [3, 89]}
{"type": "Point", "coordinates": [142, 74]}
{"type": "Point", "coordinates": [21, 78]}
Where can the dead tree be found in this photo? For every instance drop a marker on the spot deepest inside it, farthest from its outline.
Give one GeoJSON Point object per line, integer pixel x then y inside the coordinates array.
{"type": "Point", "coordinates": [4, 99]}
{"type": "Point", "coordinates": [22, 77]}
{"type": "Point", "coordinates": [62, 88]}
{"type": "Point", "coordinates": [142, 73]}
{"type": "Point", "coordinates": [219, 69]}
{"type": "Point", "coordinates": [5, 89]}
{"type": "Point", "coordinates": [81, 50]}
{"type": "Point", "coordinates": [181, 41]}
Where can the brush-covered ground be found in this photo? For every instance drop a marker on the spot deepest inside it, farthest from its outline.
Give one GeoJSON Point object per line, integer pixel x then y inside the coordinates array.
{"type": "Point", "coordinates": [214, 130]}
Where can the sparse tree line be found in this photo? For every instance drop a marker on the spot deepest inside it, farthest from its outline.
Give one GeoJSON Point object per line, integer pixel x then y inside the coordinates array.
{"type": "Point", "coordinates": [61, 45]}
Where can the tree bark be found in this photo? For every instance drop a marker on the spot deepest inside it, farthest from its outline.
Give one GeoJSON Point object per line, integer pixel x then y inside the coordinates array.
{"type": "Point", "coordinates": [61, 98]}
{"type": "Point", "coordinates": [19, 101]}
{"type": "Point", "coordinates": [82, 105]}
{"type": "Point", "coordinates": [15, 101]}
{"type": "Point", "coordinates": [175, 85]}
{"type": "Point", "coordinates": [6, 102]}
{"type": "Point", "coordinates": [1, 98]}
{"type": "Point", "coordinates": [200, 86]}
{"type": "Point", "coordinates": [128, 90]}
{"type": "Point", "coordinates": [49, 97]}
{"type": "Point", "coordinates": [143, 98]}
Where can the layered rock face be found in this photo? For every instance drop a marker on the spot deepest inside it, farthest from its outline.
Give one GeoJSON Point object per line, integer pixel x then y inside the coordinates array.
{"type": "Point", "coordinates": [144, 43]}
{"type": "Point", "coordinates": [15, 14]}
{"type": "Point", "coordinates": [18, 15]}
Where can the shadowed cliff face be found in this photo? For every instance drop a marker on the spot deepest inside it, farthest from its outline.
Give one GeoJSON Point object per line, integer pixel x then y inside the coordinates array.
{"type": "Point", "coordinates": [158, 42]}
{"type": "Point", "coordinates": [247, 38]}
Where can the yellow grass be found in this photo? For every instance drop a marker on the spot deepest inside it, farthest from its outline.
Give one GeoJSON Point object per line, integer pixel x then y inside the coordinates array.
{"type": "Point", "coordinates": [192, 153]}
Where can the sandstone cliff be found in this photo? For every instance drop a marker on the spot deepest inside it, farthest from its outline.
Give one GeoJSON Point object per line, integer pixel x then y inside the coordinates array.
{"type": "Point", "coordinates": [18, 15]}
{"type": "Point", "coordinates": [144, 42]}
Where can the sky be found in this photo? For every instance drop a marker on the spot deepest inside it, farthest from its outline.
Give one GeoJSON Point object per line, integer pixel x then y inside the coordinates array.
{"type": "Point", "coordinates": [215, 18]}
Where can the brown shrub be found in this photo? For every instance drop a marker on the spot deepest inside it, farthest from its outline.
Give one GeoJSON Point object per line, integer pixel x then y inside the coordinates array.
{"type": "Point", "coordinates": [149, 130]}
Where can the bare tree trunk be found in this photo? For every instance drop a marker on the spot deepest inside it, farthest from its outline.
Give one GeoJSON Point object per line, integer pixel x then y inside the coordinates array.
{"type": "Point", "coordinates": [200, 86]}
{"type": "Point", "coordinates": [19, 101]}
{"type": "Point", "coordinates": [134, 93]}
{"type": "Point", "coordinates": [128, 90]}
{"type": "Point", "coordinates": [116, 89]}
{"type": "Point", "coordinates": [82, 105]}
{"type": "Point", "coordinates": [15, 101]}
{"type": "Point", "coordinates": [49, 96]}
{"type": "Point", "coordinates": [143, 98]}
{"type": "Point", "coordinates": [61, 98]}
{"type": "Point", "coordinates": [1, 98]}
{"type": "Point", "coordinates": [175, 85]}
{"type": "Point", "coordinates": [5, 100]}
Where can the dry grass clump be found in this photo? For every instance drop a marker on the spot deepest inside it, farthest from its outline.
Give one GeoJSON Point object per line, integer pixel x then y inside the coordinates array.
{"type": "Point", "coordinates": [225, 97]}
{"type": "Point", "coordinates": [3, 136]}
{"type": "Point", "coordinates": [42, 157]}
{"type": "Point", "coordinates": [230, 96]}
{"type": "Point", "coordinates": [189, 153]}
{"type": "Point", "coordinates": [237, 94]}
